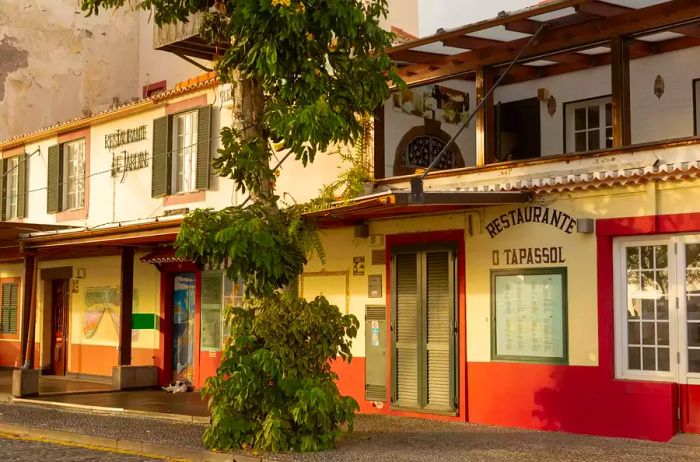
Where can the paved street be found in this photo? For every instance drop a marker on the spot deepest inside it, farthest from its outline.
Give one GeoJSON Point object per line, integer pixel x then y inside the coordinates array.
{"type": "Point", "coordinates": [18, 450]}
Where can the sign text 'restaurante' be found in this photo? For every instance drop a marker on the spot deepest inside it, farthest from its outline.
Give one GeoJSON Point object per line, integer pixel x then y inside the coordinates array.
{"type": "Point", "coordinates": [532, 214]}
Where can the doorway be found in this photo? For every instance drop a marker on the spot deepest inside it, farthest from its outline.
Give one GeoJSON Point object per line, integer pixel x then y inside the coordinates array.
{"type": "Point", "coordinates": [59, 325]}
{"type": "Point", "coordinates": [183, 326]}
{"type": "Point", "coordinates": [518, 130]}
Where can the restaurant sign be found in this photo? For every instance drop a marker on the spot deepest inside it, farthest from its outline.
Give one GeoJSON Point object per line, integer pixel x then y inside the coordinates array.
{"type": "Point", "coordinates": [531, 214]}
{"type": "Point", "coordinates": [128, 161]}
{"type": "Point", "coordinates": [121, 137]}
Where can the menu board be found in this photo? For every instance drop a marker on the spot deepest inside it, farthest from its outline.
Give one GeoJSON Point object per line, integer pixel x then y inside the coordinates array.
{"type": "Point", "coordinates": [529, 314]}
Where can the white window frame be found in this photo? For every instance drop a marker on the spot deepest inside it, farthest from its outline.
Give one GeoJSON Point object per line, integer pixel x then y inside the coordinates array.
{"type": "Point", "coordinates": [74, 174]}
{"type": "Point", "coordinates": [677, 315]}
{"type": "Point", "coordinates": [11, 187]}
{"type": "Point", "coordinates": [570, 124]}
{"type": "Point", "coordinates": [184, 153]}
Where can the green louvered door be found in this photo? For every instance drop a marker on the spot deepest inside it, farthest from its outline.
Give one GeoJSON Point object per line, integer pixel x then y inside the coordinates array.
{"type": "Point", "coordinates": [424, 328]}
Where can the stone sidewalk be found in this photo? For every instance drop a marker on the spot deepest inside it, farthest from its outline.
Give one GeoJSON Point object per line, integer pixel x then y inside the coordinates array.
{"type": "Point", "coordinates": [376, 439]}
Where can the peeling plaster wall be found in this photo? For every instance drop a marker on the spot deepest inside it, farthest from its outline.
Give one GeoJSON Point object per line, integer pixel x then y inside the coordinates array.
{"type": "Point", "coordinates": [56, 64]}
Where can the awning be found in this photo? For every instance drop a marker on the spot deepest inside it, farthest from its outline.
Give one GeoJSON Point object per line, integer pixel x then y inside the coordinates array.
{"type": "Point", "coordinates": [162, 255]}
{"type": "Point", "coordinates": [10, 232]}
{"type": "Point", "coordinates": [398, 203]}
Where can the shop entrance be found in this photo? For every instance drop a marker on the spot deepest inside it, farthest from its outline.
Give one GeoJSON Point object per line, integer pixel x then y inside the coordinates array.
{"type": "Point", "coordinates": [183, 326]}
{"type": "Point", "coordinates": [59, 325]}
{"type": "Point", "coordinates": [659, 324]}
{"type": "Point", "coordinates": [424, 330]}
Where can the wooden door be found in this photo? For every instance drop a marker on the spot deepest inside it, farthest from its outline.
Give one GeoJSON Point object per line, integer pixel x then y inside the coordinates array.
{"type": "Point", "coordinates": [59, 325]}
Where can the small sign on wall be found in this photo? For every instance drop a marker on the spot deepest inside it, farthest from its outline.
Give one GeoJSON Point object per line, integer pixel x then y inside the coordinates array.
{"type": "Point", "coordinates": [374, 286]}
{"type": "Point", "coordinates": [75, 286]}
{"type": "Point", "coordinates": [358, 266]}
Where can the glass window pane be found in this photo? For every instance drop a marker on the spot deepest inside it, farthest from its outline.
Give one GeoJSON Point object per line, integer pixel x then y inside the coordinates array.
{"type": "Point", "coordinates": [593, 140]}
{"type": "Point", "coordinates": [661, 256]}
{"type": "Point", "coordinates": [634, 308]}
{"type": "Point", "coordinates": [648, 308]}
{"type": "Point", "coordinates": [649, 359]}
{"type": "Point", "coordinates": [693, 308]}
{"type": "Point", "coordinates": [692, 281]}
{"type": "Point", "coordinates": [692, 255]}
{"type": "Point", "coordinates": [608, 138]}
{"type": "Point", "coordinates": [633, 331]}
{"type": "Point", "coordinates": [593, 116]}
{"type": "Point", "coordinates": [694, 334]}
{"type": "Point", "coordinates": [580, 118]}
{"type": "Point", "coordinates": [662, 333]}
{"type": "Point", "coordinates": [632, 257]}
{"type": "Point", "coordinates": [580, 141]}
{"type": "Point", "coordinates": [634, 360]}
{"type": "Point", "coordinates": [648, 333]}
{"type": "Point", "coordinates": [649, 288]}
{"type": "Point", "coordinates": [693, 360]}
{"type": "Point", "coordinates": [608, 115]}
{"type": "Point", "coordinates": [662, 308]}
{"type": "Point", "coordinates": [647, 253]}
{"type": "Point", "coordinates": [664, 356]}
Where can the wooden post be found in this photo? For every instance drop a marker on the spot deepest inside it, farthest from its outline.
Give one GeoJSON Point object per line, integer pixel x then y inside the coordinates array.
{"type": "Point", "coordinates": [31, 268]}
{"type": "Point", "coordinates": [485, 136]}
{"type": "Point", "coordinates": [379, 154]}
{"type": "Point", "coordinates": [126, 300]}
{"type": "Point", "coordinates": [620, 68]}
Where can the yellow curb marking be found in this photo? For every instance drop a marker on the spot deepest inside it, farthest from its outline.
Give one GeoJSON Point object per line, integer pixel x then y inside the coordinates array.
{"type": "Point", "coordinates": [87, 446]}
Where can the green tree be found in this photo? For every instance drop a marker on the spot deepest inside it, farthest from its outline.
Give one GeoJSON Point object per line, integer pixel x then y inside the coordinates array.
{"type": "Point", "coordinates": [305, 73]}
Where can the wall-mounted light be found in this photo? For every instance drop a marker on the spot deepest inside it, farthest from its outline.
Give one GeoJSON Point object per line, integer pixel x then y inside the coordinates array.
{"type": "Point", "coordinates": [585, 225]}
{"type": "Point", "coordinates": [659, 86]}
{"type": "Point", "coordinates": [551, 106]}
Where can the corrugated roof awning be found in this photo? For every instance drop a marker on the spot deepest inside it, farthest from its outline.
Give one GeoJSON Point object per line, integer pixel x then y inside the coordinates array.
{"type": "Point", "coordinates": [398, 203]}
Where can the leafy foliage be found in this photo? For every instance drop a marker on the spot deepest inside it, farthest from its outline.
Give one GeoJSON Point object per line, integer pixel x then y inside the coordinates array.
{"type": "Point", "coordinates": [275, 389]}
{"type": "Point", "coordinates": [303, 73]}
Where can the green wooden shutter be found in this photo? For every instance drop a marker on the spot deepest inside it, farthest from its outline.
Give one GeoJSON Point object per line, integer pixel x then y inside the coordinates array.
{"type": "Point", "coordinates": [212, 296]}
{"type": "Point", "coordinates": [407, 336]}
{"type": "Point", "coordinates": [8, 311]}
{"type": "Point", "coordinates": [161, 146]}
{"type": "Point", "coordinates": [203, 146]}
{"type": "Point", "coordinates": [439, 331]}
{"type": "Point", "coordinates": [22, 186]}
{"type": "Point", "coordinates": [53, 181]}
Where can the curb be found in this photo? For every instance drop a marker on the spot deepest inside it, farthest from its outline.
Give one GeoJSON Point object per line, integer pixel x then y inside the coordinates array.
{"type": "Point", "coordinates": [138, 447]}
{"type": "Point", "coordinates": [111, 410]}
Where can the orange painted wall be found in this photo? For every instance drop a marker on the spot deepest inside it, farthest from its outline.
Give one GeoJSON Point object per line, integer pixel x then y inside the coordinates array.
{"type": "Point", "coordinates": [10, 354]}
{"type": "Point", "coordinates": [99, 360]}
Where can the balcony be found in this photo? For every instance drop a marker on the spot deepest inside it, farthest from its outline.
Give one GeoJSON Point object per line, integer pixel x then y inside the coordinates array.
{"type": "Point", "coordinates": [183, 39]}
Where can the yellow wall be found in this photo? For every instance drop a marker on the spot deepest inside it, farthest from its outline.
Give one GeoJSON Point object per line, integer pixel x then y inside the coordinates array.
{"type": "Point", "coordinates": [579, 251]}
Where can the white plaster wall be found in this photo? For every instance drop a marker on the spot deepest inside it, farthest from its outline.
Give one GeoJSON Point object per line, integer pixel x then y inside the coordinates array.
{"type": "Point", "coordinates": [398, 123]}
{"type": "Point", "coordinates": [404, 15]}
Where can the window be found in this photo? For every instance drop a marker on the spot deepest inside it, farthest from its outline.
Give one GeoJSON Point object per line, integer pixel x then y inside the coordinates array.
{"type": "Point", "coordinates": [66, 176]}
{"type": "Point", "coordinates": [219, 294]}
{"type": "Point", "coordinates": [588, 124]}
{"type": "Point", "coordinates": [184, 158]}
{"type": "Point", "coordinates": [424, 330]}
{"type": "Point", "coordinates": [8, 309]}
{"type": "Point", "coordinates": [657, 315]}
{"type": "Point", "coordinates": [517, 130]}
{"type": "Point", "coordinates": [74, 177]}
{"type": "Point", "coordinates": [420, 146]}
{"type": "Point", "coordinates": [181, 145]}
{"type": "Point", "coordinates": [14, 170]}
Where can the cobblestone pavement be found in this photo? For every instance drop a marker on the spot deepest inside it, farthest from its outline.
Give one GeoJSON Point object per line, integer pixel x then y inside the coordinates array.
{"type": "Point", "coordinates": [18, 450]}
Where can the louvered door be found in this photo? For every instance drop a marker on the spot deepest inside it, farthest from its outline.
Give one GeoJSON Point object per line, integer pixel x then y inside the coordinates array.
{"type": "Point", "coordinates": [407, 330]}
{"type": "Point", "coordinates": [424, 330]}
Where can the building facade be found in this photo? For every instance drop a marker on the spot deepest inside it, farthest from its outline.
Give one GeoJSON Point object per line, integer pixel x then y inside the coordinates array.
{"type": "Point", "coordinates": [540, 272]}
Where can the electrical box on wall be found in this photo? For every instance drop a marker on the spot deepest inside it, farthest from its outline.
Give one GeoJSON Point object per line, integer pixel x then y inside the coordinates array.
{"type": "Point", "coordinates": [375, 353]}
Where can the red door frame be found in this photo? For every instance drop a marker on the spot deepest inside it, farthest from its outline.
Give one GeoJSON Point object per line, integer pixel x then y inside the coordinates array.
{"type": "Point", "coordinates": [164, 356]}
{"type": "Point", "coordinates": [606, 230]}
{"type": "Point", "coordinates": [453, 236]}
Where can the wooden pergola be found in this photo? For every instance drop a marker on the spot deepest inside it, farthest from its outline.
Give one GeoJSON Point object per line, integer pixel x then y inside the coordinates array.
{"type": "Point", "coordinates": [574, 35]}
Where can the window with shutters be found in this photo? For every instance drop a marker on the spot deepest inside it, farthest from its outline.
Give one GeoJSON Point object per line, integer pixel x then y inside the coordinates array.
{"type": "Point", "coordinates": [181, 152]}
{"type": "Point", "coordinates": [8, 310]}
{"type": "Point", "coordinates": [424, 330]}
{"type": "Point", "coordinates": [67, 172]}
{"type": "Point", "coordinates": [14, 175]}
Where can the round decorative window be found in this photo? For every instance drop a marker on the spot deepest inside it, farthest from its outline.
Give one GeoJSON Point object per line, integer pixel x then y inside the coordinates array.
{"type": "Point", "coordinates": [422, 150]}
